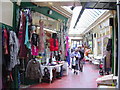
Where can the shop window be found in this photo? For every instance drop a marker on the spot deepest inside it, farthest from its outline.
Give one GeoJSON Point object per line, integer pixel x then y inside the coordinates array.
{"type": "Point", "coordinates": [103, 34]}
{"type": "Point", "coordinates": [99, 47]}
{"type": "Point", "coordinates": [108, 32]}
{"type": "Point", "coordinates": [100, 35]}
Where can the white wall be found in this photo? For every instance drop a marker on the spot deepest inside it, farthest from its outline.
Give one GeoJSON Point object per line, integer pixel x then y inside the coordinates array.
{"type": "Point", "coordinates": [0, 11]}
{"type": "Point", "coordinates": [78, 38]}
{"type": "Point", "coordinates": [6, 12]}
{"type": "Point", "coordinates": [75, 38]}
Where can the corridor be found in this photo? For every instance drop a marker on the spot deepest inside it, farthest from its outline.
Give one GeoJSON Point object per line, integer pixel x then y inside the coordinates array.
{"type": "Point", "coordinates": [85, 79]}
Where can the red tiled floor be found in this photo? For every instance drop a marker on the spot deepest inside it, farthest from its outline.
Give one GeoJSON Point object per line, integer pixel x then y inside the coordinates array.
{"type": "Point", "coordinates": [85, 79]}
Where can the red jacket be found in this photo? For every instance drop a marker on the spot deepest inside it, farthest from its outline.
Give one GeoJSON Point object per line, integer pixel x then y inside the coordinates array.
{"type": "Point", "coordinates": [53, 44]}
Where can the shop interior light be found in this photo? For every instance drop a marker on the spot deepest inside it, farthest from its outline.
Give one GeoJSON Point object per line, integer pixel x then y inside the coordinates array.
{"type": "Point", "coordinates": [50, 12]}
{"type": "Point", "coordinates": [50, 30]}
{"type": "Point", "coordinates": [50, 3]}
{"type": "Point", "coordinates": [73, 6]}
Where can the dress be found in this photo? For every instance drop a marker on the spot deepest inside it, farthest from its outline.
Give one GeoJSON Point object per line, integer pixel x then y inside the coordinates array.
{"type": "Point", "coordinates": [21, 36]}
{"type": "Point", "coordinates": [14, 49]}
{"type": "Point", "coordinates": [27, 42]}
{"type": "Point", "coordinates": [34, 42]}
{"type": "Point", "coordinates": [41, 38]}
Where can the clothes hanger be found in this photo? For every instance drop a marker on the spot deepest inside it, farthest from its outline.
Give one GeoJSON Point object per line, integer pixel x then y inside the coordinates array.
{"type": "Point", "coordinates": [3, 27]}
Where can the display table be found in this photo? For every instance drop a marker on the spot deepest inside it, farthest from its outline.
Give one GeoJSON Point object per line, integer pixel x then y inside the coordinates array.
{"type": "Point", "coordinates": [96, 62]}
{"type": "Point", "coordinates": [106, 87]}
{"type": "Point", "coordinates": [65, 67]}
{"type": "Point", "coordinates": [98, 57]}
{"type": "Point", "coordinates": [50, 68]}
{"type": "Point", "coordinates": [107, 80]}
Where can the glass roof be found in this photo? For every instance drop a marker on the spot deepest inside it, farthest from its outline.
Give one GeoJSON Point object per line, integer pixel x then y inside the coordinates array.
{"type": "Point", "coordinates": [88, 17]}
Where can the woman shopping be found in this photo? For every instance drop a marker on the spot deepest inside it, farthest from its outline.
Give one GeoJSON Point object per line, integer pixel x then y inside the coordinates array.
{"type": "Point", "coordinates": [75, 60]}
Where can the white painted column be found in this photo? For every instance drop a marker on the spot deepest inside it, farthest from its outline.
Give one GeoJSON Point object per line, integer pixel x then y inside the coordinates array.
{"type": "Point", "coordinates": [95, 49]}
{"type": "Point", "coordinates": [102, 46]}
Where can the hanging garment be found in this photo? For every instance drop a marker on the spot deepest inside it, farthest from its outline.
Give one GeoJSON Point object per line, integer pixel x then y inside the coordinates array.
{"type": "Point", "coordinates": [27, 42]}
{"type": "Point", "coordinates": [34, 50]}
{"type": "Point", "coordinates": [6, 40]}
{"type": "Point", "coordinates": [34, 39]}
{"type": "Point", "coordinates": [46, 77]}
{"type": "Point", "coordinates": [3, 37]}
{"type": "Point", "coordinates": [53, 44]}
{"type": "Point", "coordinates": [68, 57]}
{"type": "Point", "coordinates": [67, 46]}
{"type": "Point", "coordinates": [21, 36]}
{"type": "Point", "coordinates": [5, 49]}
{"type": "Point", "coordinates": [14, 49]}
{"type": "Point", "coordinates": [41, 38]}
{"type": "Point", "coordinates": [33, 70]}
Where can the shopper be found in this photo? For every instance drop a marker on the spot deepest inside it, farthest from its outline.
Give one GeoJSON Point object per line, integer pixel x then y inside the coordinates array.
{"type": "Point", "coordinates": [87, 51]}
{"type": "Point", "coordinates": [81, 51]}
{"type": "Point", "coordinates": [75, 57]}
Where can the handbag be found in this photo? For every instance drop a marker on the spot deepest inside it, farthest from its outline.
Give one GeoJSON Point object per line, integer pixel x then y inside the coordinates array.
{"type": "Point", "coordinates": [46, 77]}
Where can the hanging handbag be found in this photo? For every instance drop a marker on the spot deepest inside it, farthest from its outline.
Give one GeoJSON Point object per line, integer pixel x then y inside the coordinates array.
{"type": "Point", "coordinates": [46, 77]}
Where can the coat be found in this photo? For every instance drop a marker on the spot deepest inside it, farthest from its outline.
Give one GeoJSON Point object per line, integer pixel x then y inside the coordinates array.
{"type": "Point", "coordinates": [33, 70]}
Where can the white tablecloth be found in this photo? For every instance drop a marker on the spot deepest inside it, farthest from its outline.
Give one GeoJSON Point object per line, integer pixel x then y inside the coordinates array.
{"type": "Point", "coordinates": [65, 66]}
{"type": "Point", "coordinates": [50, 68]}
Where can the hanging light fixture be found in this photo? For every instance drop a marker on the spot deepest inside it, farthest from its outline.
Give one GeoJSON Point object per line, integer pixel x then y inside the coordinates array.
{"type": "Point", "coordinates": [73, 6]}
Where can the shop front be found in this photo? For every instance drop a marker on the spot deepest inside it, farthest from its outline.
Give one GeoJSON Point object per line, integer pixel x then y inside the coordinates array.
{"type": "Point", "coordinates": [33, 47]}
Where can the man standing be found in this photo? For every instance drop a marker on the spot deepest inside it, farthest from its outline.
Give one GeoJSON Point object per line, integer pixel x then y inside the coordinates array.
{"type": "Point", "coordinates": [81, 51]}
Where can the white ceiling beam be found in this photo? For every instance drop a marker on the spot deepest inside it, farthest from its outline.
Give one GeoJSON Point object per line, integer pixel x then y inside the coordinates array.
{"type": "Point", "coordinates": [54, 0]}
{"type": "Point", "coordinates": [98, 0]}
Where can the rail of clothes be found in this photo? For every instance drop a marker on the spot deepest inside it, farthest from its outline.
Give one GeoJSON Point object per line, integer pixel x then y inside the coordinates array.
{"type": "Point", "coordinates": [10, 49]}
{"type": "Point", "coordinates": [19, 47]}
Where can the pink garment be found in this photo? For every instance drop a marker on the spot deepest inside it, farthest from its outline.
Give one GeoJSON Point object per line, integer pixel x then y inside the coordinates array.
{"type": "Point", "coordinates": [67, 45]}
{"type": "Point", "coordinates": [21, 36]}
{"type": "Point", "coordinates": [34, 50]}
{"type": "Point", "coordinates": [41, 37]}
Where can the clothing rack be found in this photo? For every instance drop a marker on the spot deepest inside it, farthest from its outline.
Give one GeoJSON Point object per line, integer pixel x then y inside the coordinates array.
{"type": "Point", "coordinates": [14, 84]}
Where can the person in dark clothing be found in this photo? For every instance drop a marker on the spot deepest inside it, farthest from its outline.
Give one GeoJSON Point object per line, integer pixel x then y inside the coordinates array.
{"type": "Point", "coordinates": [81, 51]}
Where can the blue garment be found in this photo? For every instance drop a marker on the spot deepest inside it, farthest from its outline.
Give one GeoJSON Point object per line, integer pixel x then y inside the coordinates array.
{"type": "Point", "coordinates": [19, 79]}
{"type": "Point", "coordinates": [27, 43]}
{"type": "Point", "coordinates": [68, 58]}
